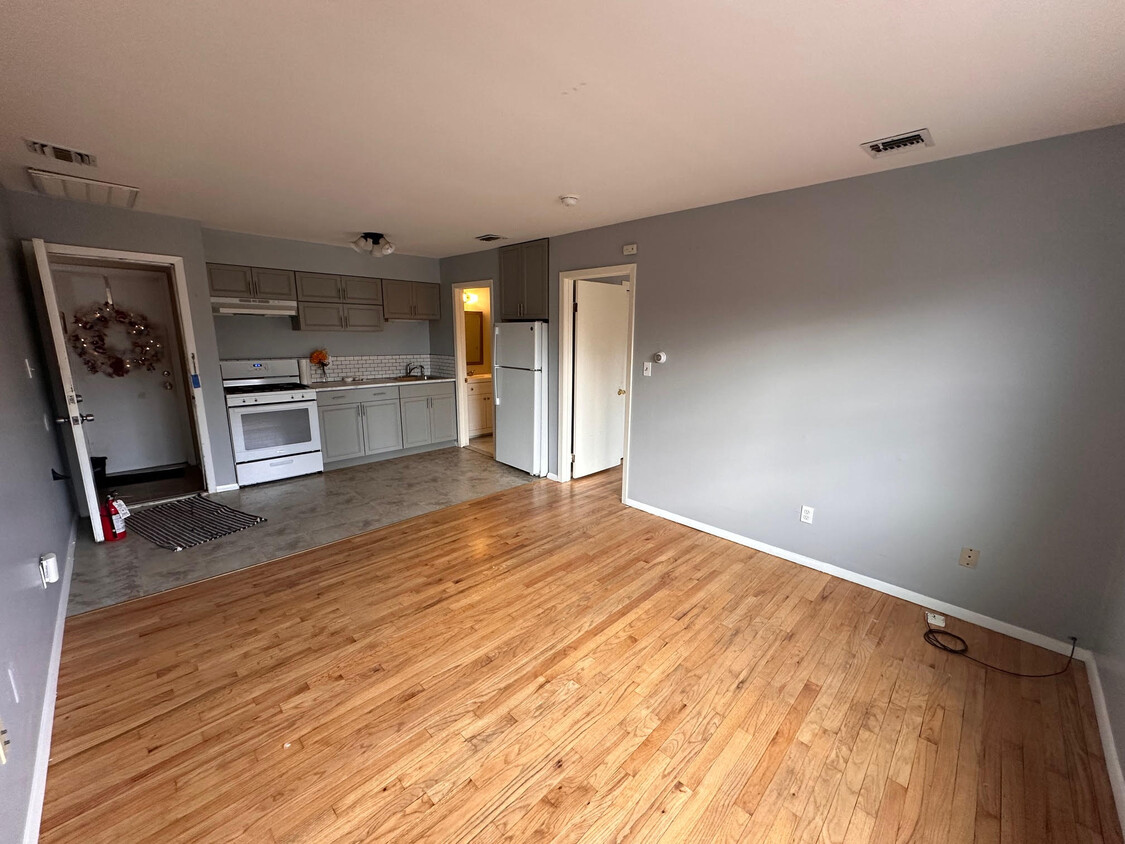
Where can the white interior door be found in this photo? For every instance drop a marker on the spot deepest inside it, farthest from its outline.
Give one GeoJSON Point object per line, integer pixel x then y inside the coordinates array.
{"type": "Point", "coordinates": [67, 397]}
{"type": "Point", "coordinates": [601, 339]}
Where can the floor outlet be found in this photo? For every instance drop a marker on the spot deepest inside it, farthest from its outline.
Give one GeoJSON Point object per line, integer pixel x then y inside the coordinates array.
{"type": "Point", "coordinates": [935, 619]}
{"type": "Point", "coordinates": [807, 514]}
{"type": "Point", "coordinates": [969, 557]}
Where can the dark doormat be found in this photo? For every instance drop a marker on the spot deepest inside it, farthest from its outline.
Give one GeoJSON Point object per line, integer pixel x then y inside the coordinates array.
{"type": "Point", "coordinates": [177, 525]}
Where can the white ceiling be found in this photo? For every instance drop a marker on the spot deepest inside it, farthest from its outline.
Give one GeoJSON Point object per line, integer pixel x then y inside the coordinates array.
{"type": "Point", "coordinates": [435, 121]}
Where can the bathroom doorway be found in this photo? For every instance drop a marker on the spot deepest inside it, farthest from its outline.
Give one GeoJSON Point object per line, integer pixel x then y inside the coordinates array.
{"type": "Point", "coordinates": [472, 334]}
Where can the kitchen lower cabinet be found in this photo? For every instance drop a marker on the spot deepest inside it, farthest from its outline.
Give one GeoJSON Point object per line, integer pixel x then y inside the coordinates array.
{"type": "Point", "coordinates": [429, 413]}
{"type": "Point", "coordinates": [341, 432]}
{"type": "Point", "coordinates": [382, 426]}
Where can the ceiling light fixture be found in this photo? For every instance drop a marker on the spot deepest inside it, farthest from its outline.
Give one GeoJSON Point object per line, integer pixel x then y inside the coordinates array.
{"type": "Point", "coordinates": [569, 200]}
{"type": "Point", "coordinates": [373, 243]}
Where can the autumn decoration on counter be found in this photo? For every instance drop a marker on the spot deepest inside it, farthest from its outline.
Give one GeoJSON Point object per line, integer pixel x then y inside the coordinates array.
{"type": "Point", "coordinates": [320, 358]}
{"type": "Point", "coordinates": [113, 341]}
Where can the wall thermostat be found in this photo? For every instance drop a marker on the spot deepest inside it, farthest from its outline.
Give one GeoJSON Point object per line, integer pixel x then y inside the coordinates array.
{"type": "Point", "coordinates": [660, 357]}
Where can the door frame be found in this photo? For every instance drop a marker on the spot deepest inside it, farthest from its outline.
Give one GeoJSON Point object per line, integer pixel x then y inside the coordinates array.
{"type": "Point", "coordinates": [566, 365]}
{"type": "Point", "coordinates": [460, 365]}
{"type": "Point", "coordinates": [174, 265]}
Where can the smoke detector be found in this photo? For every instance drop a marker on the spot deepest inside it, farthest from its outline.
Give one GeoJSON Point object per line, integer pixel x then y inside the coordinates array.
{"type": "Point", "coordinates": [899, 143]}
{"type": "Point", "coordinates": [569, 200]}
{"type": "Point", "coordinates": [63, 186]}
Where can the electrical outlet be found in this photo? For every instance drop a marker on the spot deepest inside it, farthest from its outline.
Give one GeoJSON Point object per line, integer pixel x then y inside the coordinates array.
{"type": "Point", "coordinates": [807, 514]}
{"type": "Point", "coordinates": [969, 557]}
{"type": "Point", "coordinates": [935, 619]}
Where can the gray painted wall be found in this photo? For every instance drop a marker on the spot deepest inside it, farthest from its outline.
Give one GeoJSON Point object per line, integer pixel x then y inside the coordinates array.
{"type": "Point", "coordinates": [929, 356]}
{"type": "Point", "coordinates": [476, 266]}
{"type": "Point", "coordinates": [1111, 653]}
{"type": "Point", "coordinates": [84, 224]}
{"type": "Point", "coordinates": [35, 518]}
{"type": "Point", "coordinates": [275, 337]}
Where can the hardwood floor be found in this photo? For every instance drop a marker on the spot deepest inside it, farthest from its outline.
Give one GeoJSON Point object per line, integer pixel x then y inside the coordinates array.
{"type": "Point", "coordinates": [548, 665]}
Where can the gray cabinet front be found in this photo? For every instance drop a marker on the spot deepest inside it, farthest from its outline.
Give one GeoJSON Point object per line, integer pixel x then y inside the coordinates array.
{"type": "Point", "coordinates": [411, 299]}
{"type": "Point", "coordinates": [398, 299]}
{"type": "Point", "coordinates": [523, 280]}
{"type": "Point", "coordinates": [443, 418]}
{"type": "Point", "coordinates": [319, 287]}
{"type": "Point", "coordinates": [363, 317]}
{"type": "Point", "coordinates": [341, 432]}
{"type": "Point", "coordinates": [274, 284]}
{"type": "Point", "coordinates": [415, 421]}
{"type": "Point", "coordinates": [315, 316]}
{"type": "Point", "coordinates": [229, 281]}
{"type": "Point", "coordinates": [382, 426]}
{"type": "Point", "coordinates": [362, 291]}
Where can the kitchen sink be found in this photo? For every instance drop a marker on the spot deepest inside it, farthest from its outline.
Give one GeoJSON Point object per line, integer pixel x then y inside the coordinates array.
{"type": "Point", "coordinates": [419, 378]}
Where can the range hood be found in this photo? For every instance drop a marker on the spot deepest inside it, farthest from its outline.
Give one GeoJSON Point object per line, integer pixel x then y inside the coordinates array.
{"type": "Point", "coordinates": [223, 306]}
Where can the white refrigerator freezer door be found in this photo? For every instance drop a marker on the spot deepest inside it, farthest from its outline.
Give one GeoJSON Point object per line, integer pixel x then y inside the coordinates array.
{"type": "Point", "coordinates": [517, 426]}
{"type": "Point", "coordinates": [518, 345]}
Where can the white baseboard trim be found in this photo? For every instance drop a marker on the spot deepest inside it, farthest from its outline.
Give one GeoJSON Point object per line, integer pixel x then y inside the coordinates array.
{"type": "Point", "coordinates": [977, 618]}
{"type": "Point", "coordinates": [47, 717]}
{"type": "Point", "coordinates": [551, 476]}
{"type": "Point", "coordinates": [226, 488]}
{"type": "Point", "coordinates": [1109, 747]}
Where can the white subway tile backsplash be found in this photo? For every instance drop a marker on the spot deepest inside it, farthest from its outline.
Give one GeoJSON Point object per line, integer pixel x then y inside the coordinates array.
{"type": "Point", "coordinates": [382, 366]}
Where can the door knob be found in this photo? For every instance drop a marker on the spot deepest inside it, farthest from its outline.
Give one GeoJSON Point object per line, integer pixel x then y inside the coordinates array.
{"type": "Point", "coordinates": [86, 417]}
{"type": "Point", "coordinates": [620, 392]}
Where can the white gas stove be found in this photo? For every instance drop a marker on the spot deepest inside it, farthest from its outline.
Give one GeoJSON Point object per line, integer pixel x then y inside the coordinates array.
{"type": "Point", "coordinates": [274, 425]}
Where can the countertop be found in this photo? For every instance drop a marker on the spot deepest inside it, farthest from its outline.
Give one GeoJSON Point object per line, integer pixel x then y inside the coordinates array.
{"type": "Point", "coordinates": [373, 382]}
{"type": "Point", "coordinates": [484, 376]}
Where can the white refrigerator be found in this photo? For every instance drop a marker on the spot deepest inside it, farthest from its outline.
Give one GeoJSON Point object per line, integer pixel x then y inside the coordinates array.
{"type": "Point", "coordinates": [519, 390]}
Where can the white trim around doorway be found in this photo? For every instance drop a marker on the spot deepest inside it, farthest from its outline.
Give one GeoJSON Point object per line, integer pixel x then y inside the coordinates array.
{"type": "Point", "coordinates": [566, 365]}
{"type": "Point", "coordinates": [175, 265]}
{"type": "Point", "coordinates": [460, 365]}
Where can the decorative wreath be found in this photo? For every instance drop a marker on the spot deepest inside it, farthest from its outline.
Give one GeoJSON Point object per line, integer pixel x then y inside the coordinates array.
{"type": "Point", "coordinates": [90, 340]}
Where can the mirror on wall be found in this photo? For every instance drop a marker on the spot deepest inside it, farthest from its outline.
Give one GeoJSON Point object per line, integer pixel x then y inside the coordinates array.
{"type": "Point", "coordinates": [474, 338]}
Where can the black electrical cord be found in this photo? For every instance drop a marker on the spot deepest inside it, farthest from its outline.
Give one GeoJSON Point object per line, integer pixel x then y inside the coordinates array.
{"type": "Point", "coordinates": [951, 643]}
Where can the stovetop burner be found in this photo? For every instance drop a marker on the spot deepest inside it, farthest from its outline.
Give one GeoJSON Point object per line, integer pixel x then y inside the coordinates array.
{"type": "Point", "coordinates": [247, 389]}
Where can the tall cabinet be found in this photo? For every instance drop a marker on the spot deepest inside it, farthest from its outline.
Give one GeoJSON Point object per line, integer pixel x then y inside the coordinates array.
{"type": "Point", "coordinates": [523, 281]}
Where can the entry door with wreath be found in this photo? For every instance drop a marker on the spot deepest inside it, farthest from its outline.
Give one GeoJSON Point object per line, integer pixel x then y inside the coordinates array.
{"type": "Point", "coordinates": [125, 356]}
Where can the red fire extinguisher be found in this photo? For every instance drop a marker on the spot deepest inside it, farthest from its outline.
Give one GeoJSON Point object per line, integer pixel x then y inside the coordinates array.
{"type": "Point", "coordinates": [113, 522]}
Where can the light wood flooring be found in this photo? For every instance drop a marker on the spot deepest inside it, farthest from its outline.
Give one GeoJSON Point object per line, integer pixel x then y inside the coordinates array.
{"type": "Point", "coordinates": [548, 665]}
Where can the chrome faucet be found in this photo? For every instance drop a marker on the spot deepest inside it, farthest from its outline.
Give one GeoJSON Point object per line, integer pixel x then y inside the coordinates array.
{"type": "Point", "coordinates": [412, 366]}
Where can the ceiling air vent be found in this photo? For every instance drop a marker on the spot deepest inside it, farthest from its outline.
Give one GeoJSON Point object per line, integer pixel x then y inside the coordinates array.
{"type": "Point", "coordinates": [899, 143]}
{"type": "Point", "coordinates": [70, 156]}
{"type": "Point", "coordinates": [488, 238]}
{"type": "Point", "coordinates": [87, 190]}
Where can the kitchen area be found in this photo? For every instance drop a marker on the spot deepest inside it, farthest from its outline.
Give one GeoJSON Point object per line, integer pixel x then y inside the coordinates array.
{"type": "Point", "coordinates": [341, 420]}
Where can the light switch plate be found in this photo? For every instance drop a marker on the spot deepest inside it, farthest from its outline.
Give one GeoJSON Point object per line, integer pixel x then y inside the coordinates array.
{"type": "Point", "coordinates": [647, 370]}
{"type": "Point", "coordinates": [629, 249]}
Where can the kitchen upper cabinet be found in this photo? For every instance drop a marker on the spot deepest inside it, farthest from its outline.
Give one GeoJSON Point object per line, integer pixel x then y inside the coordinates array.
{"type": "Point", "coordinates": [362, 317]}
{"type": "Point", "coordinates": [411, 300]}
{"type": "Point", "coordinates": [319, 287]}
{"type": "Point", "coordinates": [274, 284]}
{"type": "Point", "coordinates": [229, 281]}
{"type": "Point", "coordinates": [523, 280]}
{"type": "Point", "coordinates": [341, 432]}
{"type": "Point", "coordinates": [362, 291]}
{"type": "Point", "coordinates": [316, 316]}
{"type": "Point", "coordinates": [382, 426]}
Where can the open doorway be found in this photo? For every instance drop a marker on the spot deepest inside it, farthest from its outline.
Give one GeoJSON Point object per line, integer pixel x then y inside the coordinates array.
{"type": "Point", "coordinates": [595, 370]}
{"type": "Point", "coordinates": [472, 337]}
{"type": "Point", "coordinates": [122, 319]}
{"type": "Point", "coordinates": [142, 440]}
